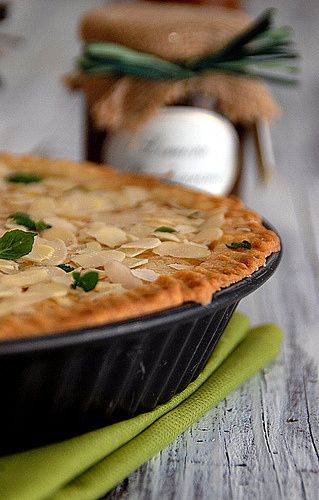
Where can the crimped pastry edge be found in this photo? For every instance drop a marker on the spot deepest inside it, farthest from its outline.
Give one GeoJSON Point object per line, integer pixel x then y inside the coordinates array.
{"type": "Point", "coordinates": [220, 270]}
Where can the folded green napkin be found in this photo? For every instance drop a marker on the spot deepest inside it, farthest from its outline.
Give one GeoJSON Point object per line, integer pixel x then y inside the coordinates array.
{"type": "Point", "coordinates": [88, 466]}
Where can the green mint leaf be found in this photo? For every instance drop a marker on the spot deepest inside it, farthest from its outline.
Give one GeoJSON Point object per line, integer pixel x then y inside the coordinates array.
{"type": "Point", "coordinates": [87, 281]}
{"type": "Point", "coordinates": [41, 226]}
{"type": "Point", "coordinates": [239, 244]}
{"type": "Point", "coordinates": [76, 277]}
{"type": "Point", "coordinates": [24, 178]}
{"type": "Point", "coordinates": [15, 244]}
{"type": "Point", "coordinates": [66, 268]}
{"type": "Point", "coordinates": [165, 229]}
{"type": "Point", "coordinates": [25, 220]}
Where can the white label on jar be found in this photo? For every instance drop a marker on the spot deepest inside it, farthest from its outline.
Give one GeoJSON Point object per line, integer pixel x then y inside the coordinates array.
{"type": "Point", "coordinates": [187, 145]}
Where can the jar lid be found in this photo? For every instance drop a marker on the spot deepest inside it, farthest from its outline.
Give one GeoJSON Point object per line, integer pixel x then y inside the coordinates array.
{"type": "Point", "coordinates": [175, 32]}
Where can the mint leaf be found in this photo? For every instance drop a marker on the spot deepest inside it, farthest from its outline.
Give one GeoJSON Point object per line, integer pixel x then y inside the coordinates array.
{"type": "Point", "coordinates": [15, 244]}
{"type": "Point", "coordinates": [24, 178]}
{"type": "Point", "coordinates": [25, 220]}
{"type": "Point", "coordinates": [41, 226]}
{"type": "Point", "coordinates": [239, 244]}
{"type": "Point", "coordinates": [165, 229]}
{"type": "Point", "coordinates": [66, 268]}
{"type": "Point", "coordinates": [76, 277]}
{"type": "Point", "coordinates": [87, 281]}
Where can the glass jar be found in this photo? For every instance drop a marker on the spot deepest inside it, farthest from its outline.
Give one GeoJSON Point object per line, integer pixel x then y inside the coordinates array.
{"type": "Point", "coordinates": [188, 143]}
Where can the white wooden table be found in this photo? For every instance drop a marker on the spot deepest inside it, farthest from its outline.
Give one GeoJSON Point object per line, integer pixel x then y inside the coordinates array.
{"type": "Point", "coordinates": [263, 441]}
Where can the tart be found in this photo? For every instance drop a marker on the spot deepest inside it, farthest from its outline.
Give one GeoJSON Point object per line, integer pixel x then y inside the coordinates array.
{"type": "Point", "coordinates": [82, 245]}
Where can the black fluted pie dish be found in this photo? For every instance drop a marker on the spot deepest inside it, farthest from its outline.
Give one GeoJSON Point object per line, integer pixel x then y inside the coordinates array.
{"type": "Point", "coordinates": [54, 387]}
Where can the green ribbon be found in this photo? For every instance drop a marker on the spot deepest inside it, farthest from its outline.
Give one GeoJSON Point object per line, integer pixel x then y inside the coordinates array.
{"type": "Point", "coordinates": [258, 52]}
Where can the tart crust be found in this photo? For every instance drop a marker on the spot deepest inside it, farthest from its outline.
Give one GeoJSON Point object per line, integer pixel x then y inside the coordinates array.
{"type": "Point", "coordinates": [222, 268]}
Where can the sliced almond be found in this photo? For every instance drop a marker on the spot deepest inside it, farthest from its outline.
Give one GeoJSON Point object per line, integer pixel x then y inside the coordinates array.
{"type": "Point", "coordinates": [60, 183]}
{"type": "Point", "coordinates": [42, 206]}
{"type": "Point", "coordinates": [57, 275]}
{"type": "Point", "coordinates": [94, 246]}
{"type": "Point", "coordinates": [180, 267]}
{"type": "Point", "coordinates": [131, 262]}
{"type": "Point", "coordinates": [61, 233]}
{"type": "Point", "coordinates": [132, 237]}
{"type": "Point", "coordinates": [188, 212]}
{"type": "Point", "coordinates": [79, 204]}
{"type": "Point", "coordinates": [109, 235]}
{"type": "Point", "coordinates": [182, 250]}
{"type": "Point", "coordinates": [25, 278]}
{"type": "Point", "coordinates": [122, 219]}
{"type": "Point", "coordinates": [166, 236]}
{"type": "Point", "coordinates": [48, 290]}
{"type": "Point", "coordinates": [35, 294]}
{"type": "Point", "coordinates": [11, 224]}
{"type": "Point", "coordinates": [119, 273]}
{"type": "Point", "coordinates": [48, 252]}
{"type": "Point", "coordinates": [146, 243]}
{"type": "Point", "coordinates": [8, 266]}
{"type": "Point", "coordinates": [97, 259]}
{"type": "Point", "coordinates": [194, 244]}
{"type": "Point", "coordinates": [141, 230]}
{"type": "Point", "coordinates": [40, 252]}
{"type": "Point", "coordinates": [208, 235]}
{"type": "Point", "coordinates": [134, 195]}
{"type": "Point", "coordinates": [132, 252]}
{"type": "Point", "coordinates": [60, 222]}
{"type": "Point", "coordinates": [186, 228]}
{"type": "Point", "coordinates": [145, 274]}
{"type": "Point", "coordinates": [216, 218]}
{"type": "Point", "coordinates": [106, 289]}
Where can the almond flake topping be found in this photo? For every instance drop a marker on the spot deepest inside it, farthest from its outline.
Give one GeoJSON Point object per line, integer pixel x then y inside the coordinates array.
{"type": "Point", "coordinates": [97, 259]}
{"type": "Point", "coordinates": [166, 236]}
{"type": "Point", "coordinates": [109, 235]}
{"type": "Point", "coordinates": [48, 252]}
{"type": "Point", "coordinates": [208, 235]}
{"type": "Point", "coordinates": [131, 262]}
{"type": "Point", "coordinates": [112, 232]}
{"type": "Point", "coordinates": [26, 277]}
{"type": "Point", "coordinates": [180, 267]}
{"type": "Point", "coordinates": [145, 274]}
{"type": "Point", "coordinates": [146, 243]}
{"type": "Point", "coordinates": [94, 246]}
{"type": "Point", "coordinates": [119, 273]}
{"type": "Point", "coordinates": [61, 233]}
{"type": "Point", "coordinates": [8, 266]}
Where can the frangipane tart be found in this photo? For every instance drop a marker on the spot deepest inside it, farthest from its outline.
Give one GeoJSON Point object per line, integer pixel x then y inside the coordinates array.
{"type": "Point", "coordinates": [107, 246]}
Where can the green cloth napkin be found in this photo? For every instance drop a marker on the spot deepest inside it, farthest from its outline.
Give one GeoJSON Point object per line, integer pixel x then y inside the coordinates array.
{"type": "Point", "coordinates": [88, 466]}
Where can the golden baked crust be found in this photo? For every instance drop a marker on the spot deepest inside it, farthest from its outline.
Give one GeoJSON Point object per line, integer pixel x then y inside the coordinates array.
{"type": "Point", "coordinates": [223, 267]}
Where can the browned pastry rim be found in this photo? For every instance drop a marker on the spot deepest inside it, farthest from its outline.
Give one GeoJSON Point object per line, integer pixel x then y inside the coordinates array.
{"type": "Point", "coordinates": [222, 268]}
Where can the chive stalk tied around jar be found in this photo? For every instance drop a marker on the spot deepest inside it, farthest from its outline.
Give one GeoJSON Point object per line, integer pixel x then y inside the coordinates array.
{"type": "Point", "coordinates": [261, 51]}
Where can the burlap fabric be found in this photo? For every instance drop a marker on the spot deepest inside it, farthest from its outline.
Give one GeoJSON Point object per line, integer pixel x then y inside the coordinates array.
{"type": "Point", "coordinates": [175, 32]}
